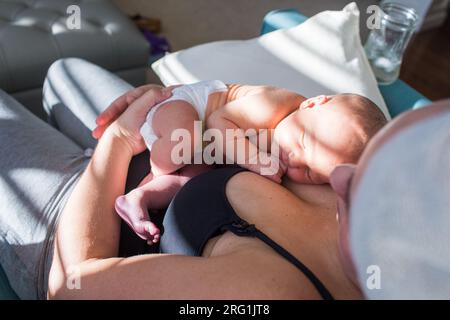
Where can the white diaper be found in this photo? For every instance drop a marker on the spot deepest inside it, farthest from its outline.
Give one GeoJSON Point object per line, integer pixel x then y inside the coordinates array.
{"type": "Point", "coordinates": [196, 94]}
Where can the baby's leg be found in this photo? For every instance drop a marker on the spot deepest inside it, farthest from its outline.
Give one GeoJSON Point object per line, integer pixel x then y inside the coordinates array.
{"type": "Point", "coordinates": [175, 115]}
{"type": "Point", "coordinates": [153, 193]}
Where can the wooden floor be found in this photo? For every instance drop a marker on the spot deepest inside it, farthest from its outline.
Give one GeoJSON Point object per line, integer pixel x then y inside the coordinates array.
{"type": "Point", "coordinates": [426, 66]}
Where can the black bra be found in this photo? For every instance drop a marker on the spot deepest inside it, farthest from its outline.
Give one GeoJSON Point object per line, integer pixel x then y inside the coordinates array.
{"type": "Point", "coordinates": [201, 211]}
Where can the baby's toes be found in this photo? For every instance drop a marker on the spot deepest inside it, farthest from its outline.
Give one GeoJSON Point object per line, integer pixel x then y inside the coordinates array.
{"type": "Point", "coordinates": [152, 231]}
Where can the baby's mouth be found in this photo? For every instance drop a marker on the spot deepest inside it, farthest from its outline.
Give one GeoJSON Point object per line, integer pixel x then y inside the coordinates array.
{"type": "Point", "coordinates": [284, 157]}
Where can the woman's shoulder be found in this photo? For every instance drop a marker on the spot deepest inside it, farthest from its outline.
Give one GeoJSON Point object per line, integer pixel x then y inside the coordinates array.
{"type": "Point", "coordinates": [261, 201]}
{"type": "Point", "coordinates": [248, 184]}
{"type": "Point", "coordinates": [319, 195]}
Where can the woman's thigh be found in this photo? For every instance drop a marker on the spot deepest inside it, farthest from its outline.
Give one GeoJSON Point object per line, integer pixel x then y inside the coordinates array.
{"type": "Point", "coordinates": [38, 168]}
{"type": "Point", "coordinates": [75, 92]}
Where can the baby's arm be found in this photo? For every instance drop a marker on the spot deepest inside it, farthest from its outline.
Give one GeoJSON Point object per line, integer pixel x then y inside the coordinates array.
{"type": "Point", "coordinates": [248, 155]}
{"type": "Point", "coordinates": [262, 106]}
{"type": "Point", "coordinates": [254, 107]}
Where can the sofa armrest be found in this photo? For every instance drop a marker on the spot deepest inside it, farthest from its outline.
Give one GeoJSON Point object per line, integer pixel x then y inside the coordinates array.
{"type": "Point", "coordinates": [399, 96]}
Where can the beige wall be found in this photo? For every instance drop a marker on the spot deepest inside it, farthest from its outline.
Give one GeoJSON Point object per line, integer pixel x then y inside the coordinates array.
{"type": "Point", "coordinates": [190, 22]}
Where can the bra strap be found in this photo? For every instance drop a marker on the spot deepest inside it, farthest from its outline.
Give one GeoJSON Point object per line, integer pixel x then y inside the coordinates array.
{"type": "Point", "coordinates": [243, 229]}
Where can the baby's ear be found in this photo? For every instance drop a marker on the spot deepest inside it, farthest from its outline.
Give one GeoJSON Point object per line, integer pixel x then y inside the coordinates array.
{"type": "Point", "coordinates": [308, 103]}
{"type": "Point", "coordinates": [322, 99]}
{"type": "Point", "coordinates": [316, 101]}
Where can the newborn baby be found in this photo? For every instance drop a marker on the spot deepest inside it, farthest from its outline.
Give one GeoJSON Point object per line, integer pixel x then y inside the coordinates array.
{"type": "Point", "coordinates": [313, 136]}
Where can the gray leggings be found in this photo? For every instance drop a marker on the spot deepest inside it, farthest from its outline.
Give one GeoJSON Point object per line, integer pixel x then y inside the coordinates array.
{"type": "Point", "coordinates": [39, 166]}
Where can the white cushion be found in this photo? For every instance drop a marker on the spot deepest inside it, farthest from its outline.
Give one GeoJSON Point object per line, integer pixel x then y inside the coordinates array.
{"type": "Point", "coordinates": [323, 55]}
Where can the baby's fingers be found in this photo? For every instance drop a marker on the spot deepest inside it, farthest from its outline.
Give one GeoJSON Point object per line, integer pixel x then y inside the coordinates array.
{"type": "Point", "coordinates": [275, 178]}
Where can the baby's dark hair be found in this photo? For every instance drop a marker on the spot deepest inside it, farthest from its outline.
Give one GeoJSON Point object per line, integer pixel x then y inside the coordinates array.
{"type": "Point", "coordinates": [369, 119]}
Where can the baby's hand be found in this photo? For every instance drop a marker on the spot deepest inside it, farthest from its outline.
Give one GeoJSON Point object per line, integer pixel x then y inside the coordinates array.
{"type": "Point", "coordinates": [269, 166]}
{"type": "Point", "coordinates": [282, 169]}
{"type": "Point", "coordinates": [275, 177]}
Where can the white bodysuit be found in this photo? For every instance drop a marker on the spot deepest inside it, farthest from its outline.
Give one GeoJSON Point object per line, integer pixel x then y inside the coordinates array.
{"type": "Point", "coordinates": [195, 94]}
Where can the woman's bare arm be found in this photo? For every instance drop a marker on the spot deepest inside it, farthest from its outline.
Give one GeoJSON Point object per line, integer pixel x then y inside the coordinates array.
{"type": "Point", "coordinates": [89, 228]}
{"type": "Point", "coordinates": [159, 276]}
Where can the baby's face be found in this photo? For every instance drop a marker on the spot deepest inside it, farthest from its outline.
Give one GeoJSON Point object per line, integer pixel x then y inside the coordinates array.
{"type": "Point", "coordinates": [316, 138]}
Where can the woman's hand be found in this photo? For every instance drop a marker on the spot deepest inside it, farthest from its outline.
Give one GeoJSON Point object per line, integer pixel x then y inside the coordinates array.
{"type": "Point", "coordinates": [118, 106]}
{"type": "Point", "coordinates": [124, 121]}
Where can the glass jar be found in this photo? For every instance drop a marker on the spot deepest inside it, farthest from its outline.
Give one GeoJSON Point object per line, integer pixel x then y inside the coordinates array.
{"type": "Point", "coordinates": [386, 45]}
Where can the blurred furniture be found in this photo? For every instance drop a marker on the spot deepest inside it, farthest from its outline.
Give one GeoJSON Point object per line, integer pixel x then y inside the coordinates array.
{"type": "Point", "coordinates": [35, 33]}
{"type": "Point", "coordinates": [6, 292]}
{"type": "Point", "coordinates": [437, 14]}
{"type": "Point", "coordinates": [398, 96]}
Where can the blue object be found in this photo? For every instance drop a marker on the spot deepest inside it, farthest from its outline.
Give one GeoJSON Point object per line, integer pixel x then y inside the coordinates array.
{"type": "Point", "coordinates": [399, 96]}
{"type": "Point", "coordinates": [282, 19]}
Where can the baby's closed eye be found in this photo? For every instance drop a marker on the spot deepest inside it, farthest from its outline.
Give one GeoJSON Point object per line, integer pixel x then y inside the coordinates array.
{"type": "Point", "coordinates": [302, 140]}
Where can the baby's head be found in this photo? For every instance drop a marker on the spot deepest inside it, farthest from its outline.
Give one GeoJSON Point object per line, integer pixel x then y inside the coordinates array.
{"type": "Point", "coordinates": [326, 131]}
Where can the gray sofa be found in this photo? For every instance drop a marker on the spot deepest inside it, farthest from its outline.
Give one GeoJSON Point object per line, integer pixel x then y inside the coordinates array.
{"type": "Point", "coordinates": [34, 33]}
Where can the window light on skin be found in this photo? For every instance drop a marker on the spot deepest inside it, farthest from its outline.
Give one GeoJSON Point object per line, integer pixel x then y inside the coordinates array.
{"type": "Point", "coordinates": [345, 178]}
{"type": "Point", "coordinates": [322, 133]}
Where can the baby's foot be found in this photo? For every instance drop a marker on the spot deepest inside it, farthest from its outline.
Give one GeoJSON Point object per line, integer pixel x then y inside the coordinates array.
{"type": "Point", "coordinates": [132, 210]}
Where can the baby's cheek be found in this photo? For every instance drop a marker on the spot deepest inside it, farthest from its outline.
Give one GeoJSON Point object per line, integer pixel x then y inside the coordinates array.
{"type": "Point", "coordinates": [296, 175]}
